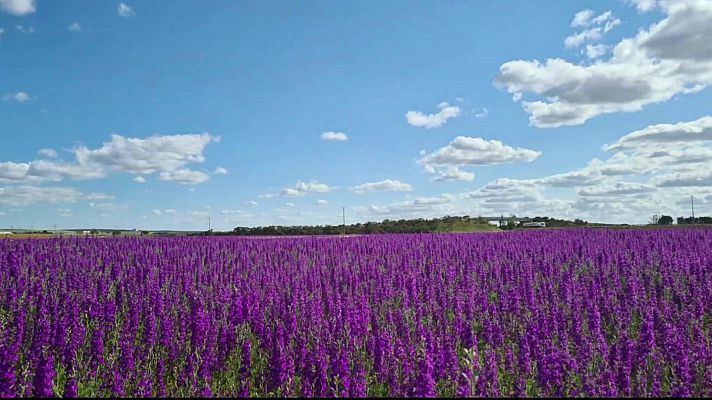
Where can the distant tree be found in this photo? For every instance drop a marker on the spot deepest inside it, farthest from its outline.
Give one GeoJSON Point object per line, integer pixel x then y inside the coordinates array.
{"type": "Point", "coordinates": [665, 220]}
{"type": "Point", "coordinates": [654, 220]}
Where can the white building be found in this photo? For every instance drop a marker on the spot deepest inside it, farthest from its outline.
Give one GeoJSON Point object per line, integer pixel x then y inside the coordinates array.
{"type": "Point", "coordinates": [534, 224]}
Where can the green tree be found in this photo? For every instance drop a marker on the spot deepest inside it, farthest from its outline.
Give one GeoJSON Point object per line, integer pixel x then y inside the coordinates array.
{"type": "Point", "coordinates": [665, 220]}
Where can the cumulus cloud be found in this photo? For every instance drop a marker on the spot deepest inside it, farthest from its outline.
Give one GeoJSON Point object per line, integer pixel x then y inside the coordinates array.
{"type": "Point", "coordinates": [699, 130]}
{"type": "Point", "coordinates": [596, 51]}
{"type": "Point", "coordinates": [18, 7]}
{"type": "Point", "coordinates": [321, 202]}
{"type": "Point", "coordinates": [75, 27]}
{"type": "Point", "coordinates": [582, 18]}
{"type": "Point", "coordinates": [451, 174]}
{"type": "Point", "coordinates": [650, 171]}
{"type": "Point", "coordinates": [334, 136]}
{"type": "Point", "coordinates": [19, 97]}
{"type": "Point", "coordinates": [124, 10]}
{"type": "Point", "coordinates": [673, 56]}
{"type": "Point", "coordinates": [644, 5]}
{"type": "Point", "coordinates": [220, 171]}
{"type": "Point", "coordinates": [385, 185]}
{"type": "Point", "coordinates": [429, 121]}
{"type": "Point", "coordinates": [465, 150]}
{"type": "Point", "coordinates": [303, 188]}
{"type": "Point", "coordinates": [153, 154]}
{"type": "Point", "coordinates": [688, 179]}
{"type": "Point", "coordinates": [166, 155]}
{"type": "Point", "coordinates": [139, 179]}
{"type": "Point", "coordinates": [26, 195]}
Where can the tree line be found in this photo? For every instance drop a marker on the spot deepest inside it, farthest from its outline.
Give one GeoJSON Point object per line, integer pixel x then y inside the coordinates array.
{"type": "Point", "coordinates": [419, 225]}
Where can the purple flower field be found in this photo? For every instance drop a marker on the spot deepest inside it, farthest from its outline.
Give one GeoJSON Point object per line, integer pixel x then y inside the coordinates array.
{"type": "Point", "coordinates": [535, 313]}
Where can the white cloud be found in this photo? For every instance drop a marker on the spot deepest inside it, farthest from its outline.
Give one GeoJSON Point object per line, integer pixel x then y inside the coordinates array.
{"type": "Point", "coordinates": [303, 188]}
{"type": "Point", "coordinates": [673, 56]}
{"type": "Point", "coordinates": [321, 202]}
{"type": "Point", "coordinates": [482, 113]}
{"type": "Point", "coordinates": [156, 212]}
{"type": "Point", "coordinates": [644, 5]}
{"type": "Point", "coordinates": [25, 29]}
{"type": "Point", "coordinates": [651, 171]}
{"type": "Point", "coordinates": [251, 203]}
{"type": "Point", "coordinates": [184, 176]}
{"type": "Point", "coordinates": [139, 179]}
{"type": "Point", "coordinates": [687, 179]}
{"type": "Point", "coordinates": [220, 171]}
{"type": "Point", "coordinates": [589, 35]}
{"type": "Point", "coordinates": [428, 121]}
{"type": "Point", "coordinates": [385, 185]}
{"type": "Point", "coordinates": [51, 153]}
{"type": "Point", "coordinates": [266, 196]}
{"type": "Point", "coordinates": [230, 212]}
{"type": "Point", "coordinates": [699, 130]}
{"type": "Point", "coordinates": [75, 27]}
{"type": "Point", "coordinates": [334, 136]}
{"type": "Point", "coordinates": [451, 174]}
{"type": "Point", "coordinates": [19, 97]}
{"type": "Point", "coordinates": [166, 155]}
{"type": "Point", "coordinates": [465, 150]}
{"type": "Point", "coordinates": [617, 189]}
{"type": "Point", "coordinates": [289, 204]}
{"type": "Point", "coordinates": [596, 51]}
{"type": "Point", "coordinates": [582, 18]}
{"type": "Point", "coordinates": [99, 196]}
{"type": "Point", "coordinates": [26, 195]}
{"type": "Point", "coordinates": [597, 27]}
{"type": "Point", "coordinates": [153, 154]}
{"type": "Point", "coordinates": [18, 7]}
{"type": "Point", "coordinates": [124, 10]}
{"type": "Point", "coordinates": [1, 32]}
{"type": "Point", "coordinates": [419, 207]}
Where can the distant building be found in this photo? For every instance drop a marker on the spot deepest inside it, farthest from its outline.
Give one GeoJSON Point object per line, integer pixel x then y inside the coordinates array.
{"type": "Point", "coordinates": [5, 233]}
{"type": "Point", "coordinates": [534, 224]}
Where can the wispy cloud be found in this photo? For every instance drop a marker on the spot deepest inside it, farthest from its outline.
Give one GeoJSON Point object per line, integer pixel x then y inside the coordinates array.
{"type": "Point", "coordinates": [125, 11]}
{"type": "Point", "coordinates": [334, 136]}
{"type": "Point", "coordinates": [19, 97]}
{"type": "Point", "coordinates": [436, 120]}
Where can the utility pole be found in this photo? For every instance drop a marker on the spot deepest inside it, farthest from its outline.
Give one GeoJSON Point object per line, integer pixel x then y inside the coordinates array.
{"type": "Point", "coordinates": [692, 203]}
{"type": "Point", "coordinates": [208, 224]}
{"type": "Point", "coordinates": [343, 216]}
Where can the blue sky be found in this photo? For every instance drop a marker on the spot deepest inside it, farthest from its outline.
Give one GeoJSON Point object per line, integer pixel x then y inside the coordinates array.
{"type": "Point", "coordinates": [160, 115]}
